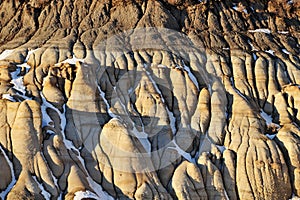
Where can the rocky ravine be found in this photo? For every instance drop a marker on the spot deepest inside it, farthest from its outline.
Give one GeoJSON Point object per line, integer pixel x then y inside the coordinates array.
{"type": "Point", "coordinates": [149, 99]}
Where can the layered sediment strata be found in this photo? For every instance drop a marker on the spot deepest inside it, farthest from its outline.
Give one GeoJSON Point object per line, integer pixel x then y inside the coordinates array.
{"type": "Point", "coordinates": [149, 99]}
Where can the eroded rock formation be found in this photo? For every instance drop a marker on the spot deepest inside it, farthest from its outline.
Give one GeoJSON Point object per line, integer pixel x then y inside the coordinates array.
{"type": "Point", "coordinates": [148, 99]}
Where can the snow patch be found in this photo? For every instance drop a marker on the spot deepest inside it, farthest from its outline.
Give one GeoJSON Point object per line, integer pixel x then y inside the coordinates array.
{"type": "Point", "coordinates": [102, 94]}
{"type": "Point", "coordinates": [130, 90]}
{"type": "Point", "coordinates": [69, 145]}
{"type": "Point", "coordinates": [17, 81]}
{"type": "Point", "coordinates": [172, 121]}
{"type": "Point", "coordinates": [29, 53]}
{"type": "Point", "coordinates": [184, 154]}
{"type": "Point", "coordinates": [254, 56]}
{"type": "Point", "coordinates": [161, 66]}
{"type": "Point", "coordinates": [226, 195]}
{"type": "Point", "coordinates": [46, 120]}
{"type": "Point", "coordinates": [8, 97]}
{"type": "Point", "coordinates": [261, 30]}
{"type": "Point", "coordinates": [86, 194]}
{"type": "Point", "coordinates": [245, 11]}
{"type": "Point", "coordinates": [271, 137]}
{"type": "Point", "coordinates": [270, 52]}
{"type": "Point", "coordinates": [236, 8]}
{"type": "Point", "coordinates": [191, 75]}
{"type": "Point", "coordinates": [285, 51]}
{"type": "Point", "coordinates": [5, 54]}
{"type": "Point", "coordinates": [252, 46]}
{"type": "Point", "coordinates": [141, 136]}
{"type": "Point", "coordinates": [266, 117]}
{"type": "Point", "coordinates": [283, 32]}
{"type": "Point", "coordinates": [221, 148]}
{"type": "Point", "coordinates": [46, 194]}
{"type": "Point", "coordinates": [98, 189]}
{"type": "Point", "coordinates": [209, 87]}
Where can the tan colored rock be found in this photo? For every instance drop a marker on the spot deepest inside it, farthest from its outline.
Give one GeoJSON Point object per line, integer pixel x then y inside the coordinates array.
{"type": "Point", "coordinates": [188, 183]}
{"type": "Point", "coordinates": [293, 101]}
{"type": "Point", "coordinates": [169, 81]}
{"type": "Point", "coordinates": [229, 173]}
{"type": "Point", "coordinates": [5, 172]}
{"type": "Point", "coordinates": [28, 162]}
{"type": "Point", "coordinates": [5, 75]}
{"type": "Point", "coordinates": [287, 139]}
{"type": "Point", "coordinates": [26, 188]}
{"type": "Point", "coordinates": [262, 172]}
{"type": "Point", "coordinates": [281, 107]}
{"type": "Point", "coordinates": [131, 165]}
{"type": "Point", "coordinates": [201, 118]}
{"type": "Point", "coordinates": [83, 108]}
{"type": "Point", "coordinates": [212, 178]}
{"type": "Point", "coordinates": [261, 75]}
{"type": "Point", "coordinates": [52, 93]}
{"type": "Point", "coordinates": [76, 182]}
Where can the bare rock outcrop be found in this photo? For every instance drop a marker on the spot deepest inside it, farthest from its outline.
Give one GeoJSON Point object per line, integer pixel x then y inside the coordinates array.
{"type": "Point", "coordinates": [149, 99]}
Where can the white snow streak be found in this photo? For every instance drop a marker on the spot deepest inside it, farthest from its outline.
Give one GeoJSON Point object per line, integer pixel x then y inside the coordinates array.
{"type": "Point", "coordinates": [254, 56]}
{"type": "Point", "coordinates": [17, 81]}
{"type": "Point", "coordinates": [8, 97]}
{"type": "Point", "coordinates": [283, 32]}
{"type": "Point", "coordinates": [221, 148]}
{"type": "Point", "coordinates": [143, 138]}
{"type": "Point", "coordinates": [266, 117]}
{"type": "Point", "coordinates": [191, 75]}
{"type": "Point", "coordinates": [5, 54]}
{"type": "Point", "coordinates": [102, 94]}
{"type": "Point", "coordinates": [271, 137]}
{"type": "Point", "coordinates": [236, 90]}
{"type": "Point", "coordinates": [87, 194]}
{"type": "Point", "coordinates": [170, 114]}
{"type": "Point", "coordinates": [161, 66]}
{"type": "Point", "coordinates": [46, 194]}
{"type": "Point", "coordinates": [286, 51]}
{"type": "Point", "coordinates": [46, 120]}
{"type": "Point", "coordinates": [252, 46]}
{"type": "Point", "coordinates": [13, 181]}
{"type": "Point", "coordinates": [269, 119]}
{"type": "Point", "coordinates": [236, 8]}
{"type": "Point", "coordinates": [70, 146]}
{"type": "Point", "coordinates": [261, 30]}
{"type": "Point", "coordinates": [270, 52]}
{"type": "Point", "coordinates": [184, 154]}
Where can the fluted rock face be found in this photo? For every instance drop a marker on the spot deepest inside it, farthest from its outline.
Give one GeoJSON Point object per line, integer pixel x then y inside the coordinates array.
{"type": "Point", "coordinates": [148, 99]}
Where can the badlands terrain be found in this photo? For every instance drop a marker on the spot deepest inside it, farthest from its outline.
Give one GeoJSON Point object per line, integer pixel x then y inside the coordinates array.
{"type": "Point", "coordinates": [150, 99]}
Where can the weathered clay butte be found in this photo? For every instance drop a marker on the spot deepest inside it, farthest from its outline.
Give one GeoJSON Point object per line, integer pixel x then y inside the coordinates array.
{"type": "Point", "coordinates": [150, 99]}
